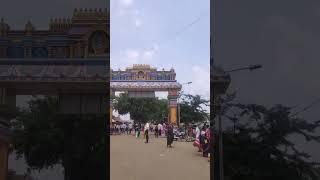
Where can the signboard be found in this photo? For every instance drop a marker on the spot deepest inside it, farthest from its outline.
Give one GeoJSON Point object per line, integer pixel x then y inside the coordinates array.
{"type": "Point", "coordinates": [141, 94]}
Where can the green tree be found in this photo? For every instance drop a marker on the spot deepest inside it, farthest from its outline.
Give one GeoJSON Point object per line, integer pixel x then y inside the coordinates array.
{"type": "Point", "coordinates": [7, 112]}
{"type": "Point", "coordinates": [46, 138]}
{"type": "Point", "coordinates": [141, 109]}
{"type": "Point", "coordinates": [257, 144]}
{"type": "Point", "coordinates": [192, 109]}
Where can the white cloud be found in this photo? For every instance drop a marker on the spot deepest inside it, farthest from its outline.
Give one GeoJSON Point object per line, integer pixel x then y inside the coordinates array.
{"type": "Point", "coordinates": [132, 54]}
{"type": "Point", "coordinates": [126, 8]}
{"type": "Point", "coordinates": [128, 57]}
{"type": "Point", "coordinates": [149, 53]}
{"type": "Point", "coordinates": [200, 78]}
{"type": "Point", "coordinates": [136, 12]}
{"type": "Point", "coordinates": [155, 47]}
{"type": "Point", "coordinates": [126, 3]}
{"type": "Point", "coordinates": [137, 22]}
{"type": "Point", "coordinates": [135, 56]}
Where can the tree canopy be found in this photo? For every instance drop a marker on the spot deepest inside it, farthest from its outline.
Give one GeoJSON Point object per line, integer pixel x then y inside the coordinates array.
{"type": "Point", "coordinates": [46, 138]}
{"type": "Point", "coordinates": [154, 109]}
{"type": "Point", "coordinates": [192, 109]}
{"type": "Point", "coordinates": [257, 143]}
{"type": "Point", "coordinates": [142, 109]}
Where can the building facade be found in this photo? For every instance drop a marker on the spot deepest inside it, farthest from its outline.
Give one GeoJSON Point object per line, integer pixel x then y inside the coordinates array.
{"type": "Point", "coordinates": [143, 72]}
{"type": "Point", "coordinates": [70, 59]}
{"type": "Point", "coordinates": [83, 35]}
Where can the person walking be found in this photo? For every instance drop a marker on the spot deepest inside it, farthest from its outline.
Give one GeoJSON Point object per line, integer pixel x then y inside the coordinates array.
{"type": "Point", "coordinates": [139, 129]}
{"type": "Point", "coordinates": [208, 148]}
{"type": "Point", "coordinates": [170, 135]}
{"type": "Point", "coordinates": [203, 139]}
{"type": "Point", "coordinates": [146, 132]}
{"type": "Point", "coordinates": [126, 128]}
{"type": "Point", "coordinates": [156, 131]}
{"type": "Point", "coordinates": [159, 129]}
{"type": "Point", "coordinates": [197, 141]}
{"type": "Point", "coordinates": [130, 128]}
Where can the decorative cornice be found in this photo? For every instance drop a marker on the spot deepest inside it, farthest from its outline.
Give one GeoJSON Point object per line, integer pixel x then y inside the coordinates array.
{"type": "Point", "coordinates": [161, 86]}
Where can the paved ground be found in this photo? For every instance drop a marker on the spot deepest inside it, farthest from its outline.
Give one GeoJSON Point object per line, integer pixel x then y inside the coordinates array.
{"type": "Point", "coordinates": [132, 159]}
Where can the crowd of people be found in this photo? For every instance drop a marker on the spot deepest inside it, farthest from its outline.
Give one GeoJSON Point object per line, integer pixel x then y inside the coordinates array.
{"type": "Point", "coordinates": [201, 135]}
{"type": "Point", "coordinates": [159, 130]}
{"type": "Point", "coordinates": [203, 141]}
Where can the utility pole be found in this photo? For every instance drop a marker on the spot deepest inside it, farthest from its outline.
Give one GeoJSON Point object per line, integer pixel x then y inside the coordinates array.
{"type": "Point", "coordinates": [220, 87]}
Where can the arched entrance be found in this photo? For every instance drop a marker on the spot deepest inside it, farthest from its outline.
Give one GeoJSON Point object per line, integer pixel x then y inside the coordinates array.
{"type": "Point", "coordinates": [145, 81]}
{"type": "Point", "coordinates": [54, 62]}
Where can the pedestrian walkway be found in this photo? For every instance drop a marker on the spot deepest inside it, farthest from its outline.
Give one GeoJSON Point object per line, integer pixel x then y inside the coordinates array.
{"type": "Point", "coordinates": [132, 159]}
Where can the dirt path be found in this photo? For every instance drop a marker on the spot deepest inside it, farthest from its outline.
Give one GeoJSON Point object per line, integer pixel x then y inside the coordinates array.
{"type": "Point", "coordinates": [132, 159]}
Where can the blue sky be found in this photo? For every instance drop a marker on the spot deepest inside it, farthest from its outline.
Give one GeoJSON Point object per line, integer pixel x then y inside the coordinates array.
{"type": "Point", "coordinates": [145, 32]}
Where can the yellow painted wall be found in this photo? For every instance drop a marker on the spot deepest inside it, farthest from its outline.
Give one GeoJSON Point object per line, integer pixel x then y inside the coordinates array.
{"type": "Point", "coordinates": [173, 115]}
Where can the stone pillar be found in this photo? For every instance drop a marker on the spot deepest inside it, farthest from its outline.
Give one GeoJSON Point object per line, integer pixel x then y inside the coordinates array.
{"type": "Point", "coordinates": [6, 100]}
{"type": "Point", "coordinates": [172, 97]}
{"type": "Point", "coordinates": [173, 111]}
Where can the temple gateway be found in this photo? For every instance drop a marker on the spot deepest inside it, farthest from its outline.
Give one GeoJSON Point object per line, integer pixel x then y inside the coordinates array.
{"type": "Point", "coordinates": [69, 60]}
{"type": "Point", "coordinates": [141, 80]}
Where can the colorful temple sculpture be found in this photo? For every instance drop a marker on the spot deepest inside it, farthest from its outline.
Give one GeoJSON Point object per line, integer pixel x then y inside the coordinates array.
{"type": "Point", "coordinates": [69, 60]}
{"type": "Point", "coordinates": [84, 35]}
{"type": "Point", "coordinates": [143, 81]}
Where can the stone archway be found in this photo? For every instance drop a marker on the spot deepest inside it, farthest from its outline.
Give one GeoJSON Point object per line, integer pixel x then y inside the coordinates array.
{"type": "Point", "coordinates": [140, 81]}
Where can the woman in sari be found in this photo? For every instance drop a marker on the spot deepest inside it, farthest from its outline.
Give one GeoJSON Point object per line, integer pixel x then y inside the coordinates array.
{"type": "Point", "coordinates": [207, 142]}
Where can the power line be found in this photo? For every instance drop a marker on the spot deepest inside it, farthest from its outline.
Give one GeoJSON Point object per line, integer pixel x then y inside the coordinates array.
{"type": "Point", "coordinates": [190, 24]}
{"type": "Point", "coordinates": [183, 29]}
{"type": "Point", "coordinates": [307, 107]}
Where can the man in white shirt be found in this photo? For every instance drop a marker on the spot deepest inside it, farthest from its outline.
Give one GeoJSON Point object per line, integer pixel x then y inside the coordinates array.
{"type": "Point", "coordinates": [160, 129]}
{"type": "Point", "coordinates": [146, 131]}
{"type": "Point", "coordinates": [130, 128]}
